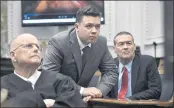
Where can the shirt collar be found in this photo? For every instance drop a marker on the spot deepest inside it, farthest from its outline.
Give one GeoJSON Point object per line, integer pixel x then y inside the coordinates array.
{"type": "Point", "coordinates": [128, 66]}
{"type": "Point", "coordinates": [81, 44]}
{"type": "Point", "coordinates": [32, 78]}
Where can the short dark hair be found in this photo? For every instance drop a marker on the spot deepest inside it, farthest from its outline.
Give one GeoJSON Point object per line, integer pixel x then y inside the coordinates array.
{"type": "Point", "coordinates": [123, 33]}
{"type": "Point", "coordinates": [87, 11]}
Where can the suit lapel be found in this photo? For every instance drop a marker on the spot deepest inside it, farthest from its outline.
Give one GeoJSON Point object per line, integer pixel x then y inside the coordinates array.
{"type": "Point", "coordinates": [76, 50]}
{"type": "Point", "coordinates": [135, 69]}
{"type": "Point", "coordinates": [19, 83]}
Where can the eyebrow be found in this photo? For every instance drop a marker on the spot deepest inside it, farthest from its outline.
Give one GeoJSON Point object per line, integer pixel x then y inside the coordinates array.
{"type": "Point", "coordinates": [124, 41]}
{"type": "Point", "coordinates": [91, 24]}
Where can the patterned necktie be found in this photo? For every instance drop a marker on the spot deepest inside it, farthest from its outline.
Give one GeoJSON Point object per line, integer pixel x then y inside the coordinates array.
{"type": "Point", "coordinates": [124, 85]}
{"type": "Point", "coordinates": [84, 56]}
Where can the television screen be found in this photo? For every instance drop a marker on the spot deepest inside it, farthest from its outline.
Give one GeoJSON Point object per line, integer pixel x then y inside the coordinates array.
{"type": "Point", "coordinates": [55, 12]}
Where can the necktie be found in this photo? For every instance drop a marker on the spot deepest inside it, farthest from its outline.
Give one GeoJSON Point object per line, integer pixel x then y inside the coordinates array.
{"type": "Point", "coordinates": [124, 85]}
{"type": "Point", "coordinates": [84, 56]}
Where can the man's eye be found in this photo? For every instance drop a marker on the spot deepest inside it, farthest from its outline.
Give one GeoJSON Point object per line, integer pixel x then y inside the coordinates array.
{"type": "Point", "coordinates": [29, 45]}
{"type": "Point", "coordinates": [129, 43]}
{"type": "Point", "coordinates": [120, 44]}
{"type": "Point", "coordinates": [89, 26]}
{"type": "Point", "coordinates": [97, 27]}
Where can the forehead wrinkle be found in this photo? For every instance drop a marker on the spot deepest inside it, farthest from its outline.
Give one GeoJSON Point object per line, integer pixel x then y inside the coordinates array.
{"type": "Point", "coordinates": [21, 39]}
{"type": "Point", "coordinates": [123, 38]}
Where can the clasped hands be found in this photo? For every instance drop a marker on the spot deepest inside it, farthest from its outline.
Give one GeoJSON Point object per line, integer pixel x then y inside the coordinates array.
{"type": "Point", "coordinates": [91, 92]}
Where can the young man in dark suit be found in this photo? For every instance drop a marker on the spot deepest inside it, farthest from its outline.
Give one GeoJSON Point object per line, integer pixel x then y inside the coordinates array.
{"type": "Point", "coordinates": [29, 87]}
{"type": "Point", "coordinates": [138, 74]}
{"type": "Point", "coordinates": [80, 52]}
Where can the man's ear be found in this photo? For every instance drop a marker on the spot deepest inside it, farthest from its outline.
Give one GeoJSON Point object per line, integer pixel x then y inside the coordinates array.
{"type": "Point", "coordinates": [12, 56]}
{"type": "Point", "coordinates": [76, 25]}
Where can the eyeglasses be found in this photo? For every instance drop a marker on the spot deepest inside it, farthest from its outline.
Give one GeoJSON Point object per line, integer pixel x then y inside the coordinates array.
{"type": "Point", "coordinates": [29, 46]}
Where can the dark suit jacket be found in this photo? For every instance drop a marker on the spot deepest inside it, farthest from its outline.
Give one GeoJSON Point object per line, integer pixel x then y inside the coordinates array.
{"type": "Point", "coordinates": [63, 55]}
{"type": "Point", "coordinates": [50, 85]}
{"type": "Point", "coordinates": [146, 81]}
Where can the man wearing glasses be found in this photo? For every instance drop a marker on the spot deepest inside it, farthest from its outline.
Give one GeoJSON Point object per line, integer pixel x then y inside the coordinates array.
{"type": "Point", "coordinates": [43, 89]}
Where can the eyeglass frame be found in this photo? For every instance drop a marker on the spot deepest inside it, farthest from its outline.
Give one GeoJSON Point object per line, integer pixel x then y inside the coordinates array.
{"type": "Point", "coordinates": [27, 46]}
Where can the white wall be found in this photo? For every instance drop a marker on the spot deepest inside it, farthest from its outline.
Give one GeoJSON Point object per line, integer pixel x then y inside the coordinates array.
{"type": "Point", "coordinates": [154, 28]}
{"type": "Point", "coordinates": [143, 19]}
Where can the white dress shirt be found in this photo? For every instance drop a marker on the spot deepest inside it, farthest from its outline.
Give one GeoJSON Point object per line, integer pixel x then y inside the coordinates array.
{"type": "Point", "coordinates": [82, 45]}
{"type": "Point", "coordinates": [31, 79]}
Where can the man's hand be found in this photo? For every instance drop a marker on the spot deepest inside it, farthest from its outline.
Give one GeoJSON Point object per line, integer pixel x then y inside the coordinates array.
{"type": "Point", "coordinates": [92, 91]}
{"type": "Point", "coordinates": [49, 102]}
{"type": "Point", "coordinates": [4, 94]}
{"type": "Point", "coordinates": [86, 99]}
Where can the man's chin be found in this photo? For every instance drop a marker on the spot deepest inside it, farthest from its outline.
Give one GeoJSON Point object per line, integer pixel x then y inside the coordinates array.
{"type": "Point", "coordinates": [126, 58]}
{"type": "Point", "coordinates": [35, 63]}
{"type": "Point", "coordinates": [92, 41]}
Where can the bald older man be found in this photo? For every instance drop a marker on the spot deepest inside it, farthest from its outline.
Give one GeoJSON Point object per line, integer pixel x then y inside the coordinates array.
{"type": "Point", "coordinates": [37, 87]}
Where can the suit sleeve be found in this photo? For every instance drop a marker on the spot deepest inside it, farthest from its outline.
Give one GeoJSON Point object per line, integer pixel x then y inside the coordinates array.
{"type": "Point", "coordinates": [53, 56]}
{"type": "Point", "coordinates": [109, 72]}
{"type": "Point", "coordinates": [67, 94]}
{"type": "Point", "coordinates": [154, 84]}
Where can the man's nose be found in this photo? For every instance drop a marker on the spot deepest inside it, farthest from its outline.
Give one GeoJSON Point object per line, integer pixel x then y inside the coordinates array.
{"type": "Point", "coordinates": [125, 46]}
{"type": "Point", "coordinates": [94, 30]}
{"type": "Point", "coordinates": [36, 49]}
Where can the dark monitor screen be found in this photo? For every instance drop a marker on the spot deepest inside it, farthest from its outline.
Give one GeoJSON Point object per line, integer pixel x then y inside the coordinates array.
{"type": "Point", "coordinates": [55, 12]}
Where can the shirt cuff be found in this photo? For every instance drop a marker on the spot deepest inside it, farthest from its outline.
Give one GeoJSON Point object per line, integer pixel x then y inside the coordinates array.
{"type": "Point", "coordinates": [81, 90]}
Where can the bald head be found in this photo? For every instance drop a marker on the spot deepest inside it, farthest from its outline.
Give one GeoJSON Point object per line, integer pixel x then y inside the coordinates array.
{"type": "Point", "coordinates": [21, 39]}
{"type": "Point", "coordinates": [25, 54]}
